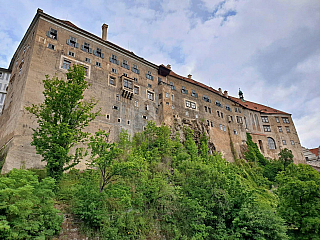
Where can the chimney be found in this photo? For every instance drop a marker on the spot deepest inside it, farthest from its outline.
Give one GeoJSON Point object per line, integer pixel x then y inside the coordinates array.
{"type": "Point", "coordinates": [225, 93]}
{"type": "Point", "coordinates": [104, 31]}
{"type": "Point", "coordinates": [220, 91]}
{"type": "Point", "coordinates": [169, 66]}
{"type": "Point", "coordinates": [189, 76]}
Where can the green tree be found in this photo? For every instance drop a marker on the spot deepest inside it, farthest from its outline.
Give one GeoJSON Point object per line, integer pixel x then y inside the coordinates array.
{"type": "Point", "coordinates": [61, 119]}
{"type": "Point", "coordinates": [253, 154]}
{"type": "Point", "coordinates": [27, 206]}
{"type": "Point", "coordinates": [299, 193]}
{"type": "Point", "coordinates": [286, 157]}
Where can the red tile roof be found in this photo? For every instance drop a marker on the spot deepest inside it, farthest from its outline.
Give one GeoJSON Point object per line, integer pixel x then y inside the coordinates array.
{"type": "Point", "coordinates": [315, 151]}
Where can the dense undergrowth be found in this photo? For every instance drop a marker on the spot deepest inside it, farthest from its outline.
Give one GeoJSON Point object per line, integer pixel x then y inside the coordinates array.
{"type": "Point", "coordinates": [158, 188]}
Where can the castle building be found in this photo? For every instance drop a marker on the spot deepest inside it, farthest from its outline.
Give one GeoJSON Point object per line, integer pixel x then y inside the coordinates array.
{"type": "Point", "coordinates": [131, 91]}
{"type": "Point", "coordinates": [4, 81]}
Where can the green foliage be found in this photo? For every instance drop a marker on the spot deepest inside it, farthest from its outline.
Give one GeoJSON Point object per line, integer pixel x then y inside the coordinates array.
{"type": "Point", "coordinates": [286, 157]}
{"type": "Point", "coordinates": [26, 206]}
{"type": "Point", "coordinates": [62, 118]}
{"type": "Point", "coordinates": [299, 193]}
{"type": "Point", "coordinates": [253, 154]}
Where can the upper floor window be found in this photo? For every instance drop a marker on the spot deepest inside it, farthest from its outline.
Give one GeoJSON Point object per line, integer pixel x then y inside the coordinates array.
{"type": "Point", "coordinates": [292, 142]}
{"type": "Point", "coordinates": [136, 90]}
{"type": "Point", "coordinates": [172, 86]}
{"type": "Point", "coordinates": [113, 70]}
{"type": "Point", "coordinates": [284, 142]}
{"type": "Point", "coordinates": [135, 69]}
{"type": "Point", "coordinates": [149, 85]}
{"type": "Point", "coordinates": [285, 120]}
{"type": "Point", "coordinates": [112, 81]}
{"type": "Point", "coordinates": [218, 103]}
{"type": "Point", "coordinates": [124, 74]}
{"type": "Point", "coordinates": [150, 95]}
{"type": "Point", "coordinates": [184, 90]}
{"type": "Point", "coordinates": [66, 64]}
{"type": "Point", "coordinates": [88, 60]}
{"type": "Point", "coordinates": [277, 119]}
{"type": "Point", "coordinates": [280, 128]}
{"type": "Point", "coordinates": [194, 94]}
{"type": "Point", "coordinates": [50, 46]}
{"type": "Point", "coordinates": [271, 143]}
{"type": "Point", "coordinates": [135, 79]}
{"type": "Point", "coordinates": [288, 129]}
{"type": "Point", "coordinates": [264, 119]}
{"type": "Point", "coordinates": [191, 105]}
{"type": "Point", "coordinates": [72, 42]}
{"type": "Point", "coordinates": [113, 59]}
{"type": "Point", "coordinates": [239, 110]}
{"type": "Point", "coordinates": [206, 98]}
{"type": "Point", "coordinates": [127, 83]}
{"type": "Point", "coordinates": [52, 33]}
{"type": "Point", "coordinates": [228, 108]}
{"type": "Point", "coordinates": [235, 109]}
{"type": "Point", "coordinates": [266, 128]}
{"type": "Point", "coordinates": [118, 97]}
{"type": "Point", "coordinates": [239, 119]}
{"type": "Point", "coordinates": [98, 53]}
{"type": "Point", "coordinates": [149, 75]}
{"type": "Point", "coordinates": [86, 48]}
{"type": "Point", "coordinates": [125, 64]}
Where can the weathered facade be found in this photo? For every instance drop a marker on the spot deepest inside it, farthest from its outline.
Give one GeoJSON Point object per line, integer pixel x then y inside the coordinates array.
{"type": "Point", "coordinates": [131, 91]}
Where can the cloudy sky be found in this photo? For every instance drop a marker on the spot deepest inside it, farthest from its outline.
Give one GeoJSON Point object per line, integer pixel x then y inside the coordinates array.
{"type": "Point", "coordinates": [268, 48]}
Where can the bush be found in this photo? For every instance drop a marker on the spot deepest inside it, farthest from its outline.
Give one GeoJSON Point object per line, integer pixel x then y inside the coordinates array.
{"type": "Point", "coordinates": [27, 207]}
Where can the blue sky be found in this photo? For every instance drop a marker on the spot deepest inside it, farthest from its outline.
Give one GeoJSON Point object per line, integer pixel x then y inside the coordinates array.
{"type": "Point", "coordinates": [268, 48]}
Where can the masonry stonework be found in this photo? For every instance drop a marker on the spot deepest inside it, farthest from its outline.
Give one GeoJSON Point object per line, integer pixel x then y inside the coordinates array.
{"type": "Point", "coordinates": [130, 91]}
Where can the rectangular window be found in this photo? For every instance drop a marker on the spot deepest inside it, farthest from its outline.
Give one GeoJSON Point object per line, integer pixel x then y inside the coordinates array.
{"type": "Point", "coordinates": [218, 113]}
{"type": "Point", "coordinates": [115, 107]}
{"type": "Point", "coordinates": [194, 94]}
{"type": "Point", "coordinates": [288, 129]}
{"type": "Point", "coordinates": [208, 123]}
{"type": "Point", "coordinates": [113, 59]}
{"type": "Point", "coordinates": [221, 127]}
{"type": "Point", "coordinates": [292, 142]}
{"type": "Point", "coordinates": [264, 119]}
{"type": "Point", "coordinates": [235, 109]}
{"type": "Point", "coordinates": [167, 95]}
{"type": "Point", "coordinates": [184, 90]}
{"type": "Point", "coordinates": [277, 119]}
{"type": "Point", "coordinates": [187, 114]}
{"type": "Point", "coordinates": [125, 64]}
{"type": "Point", "coordinates": [285, 120]}
{"type": "Point", "coordinates": [98, 64]}
{"type": "Point", "coordinates": [218, 103]}
{"type": "Point", "coordinates": [52, 33]}
{"type": "Point", "coordinates": [144, 117]}
{"type": "Point", "coordinates": [147, 107]}
{"type": "Point", "coordinates": [50, 46]}
{"type": "Point", "coordinates": [118, 97]}
{"type": "Point", "coordinates": [206, 98]}
{"type": "Point", "coordinates": [224, 128]}
{"type": "Point", "coordinates": [2, 96]}
{"type": "Point", "coordinates": [113, 70]}
{"type": "Point", "coordinates": [135, 79]}
{"type": "Point", "coordinates": [150, 95]}
{"type": "Point", "coordinates": [149, 85]}
{"type": "Point", "coordinates": [172, 97]}
{"type": "Point", "coordinates": [266, 128]}
{"type": "Point", "coordinates": [211, 123]}
{"type": "Point", "coordinates": [235, 132]}
{"type": "Point", "coordinates": [280, 128]}
{"type": "Point", "coordinates": [98, 53]}
{"type": "Point", "coordinates": [205, 108]}
{"type": "Point", "coordinates": [72, 42]}
{"type": "Point", "coordinates": [135, 69]}
{"type": "Point", "coordinates": [191, 105]}
{"type": "Point", "coordinates": [136, 103]}
{"type": "Point", "coordinates": [66, 64]}
{"type": "Point", "coordinates": [124, 74]}
{"type": "Point", "coordinates": [128, 122]}
{"type": "Point", "coordinates": [239, 109]}
{"type": "Point", "coordinates": [209, 109]}
{"type": "Point", "coordinates": [86, 47]}
{"type": "Point", "coordinates": [127, 84]}
{"type": "Point", "coordinates": [149, 75]}
{"type": "Point", "coordinates": [228, 108]}
{"type": "Point", "coordinates": [119, 120]}
{"type": "Point", "coordinates": [88, 60]}
{"type": "Point", "coordinates": [112, 81]}
{"type": "Point", "coordinates": [221, 114]}
{"type": "Point", "coordinates": [107, 116]}
{"type": "Point", "coordinates": [71, 54]}
{"type": "Point", "coordinates": [136, 90]}
{"type": "Point", "coordinates": [284, 142]}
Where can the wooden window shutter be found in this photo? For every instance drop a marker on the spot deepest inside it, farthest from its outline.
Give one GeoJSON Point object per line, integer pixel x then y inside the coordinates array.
{"type": "Point", "coordinates": [48, 33]}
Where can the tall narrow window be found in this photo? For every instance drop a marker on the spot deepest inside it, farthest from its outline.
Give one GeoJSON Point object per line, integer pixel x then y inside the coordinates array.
{"type": "Point", "coordinates": [271, 143]}
{"type": "Point", "coordinates": [150, 96]}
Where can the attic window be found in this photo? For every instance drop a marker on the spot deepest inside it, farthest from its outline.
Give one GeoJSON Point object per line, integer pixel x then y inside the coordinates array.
{"type": "Point", "coordinates": [125, 64]}
{"type": "Point", "coordinates": [98, 53]}
{"type": "Point", "coordinates": [72, 42]}
{"type": "Point", "coordinates": [86, 48]}
{"type": "Point", "coordinates": [149, 75]}
{"type": "Point", "coordinates": [52, 34]}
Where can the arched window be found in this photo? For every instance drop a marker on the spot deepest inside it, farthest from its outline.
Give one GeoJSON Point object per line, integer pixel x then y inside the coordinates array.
{"type": "Point", "coordinates": [252, 119]}
{"type": "Point", "coordinates": [256, 118]}
{"type": "Point", "coordinates": [271, 143]}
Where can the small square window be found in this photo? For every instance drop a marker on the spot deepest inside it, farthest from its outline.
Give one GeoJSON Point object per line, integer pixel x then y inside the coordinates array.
{"type": "Point", "coordinates": [292, 142]}
{"type": "Point", "coordinates": [284, 142]}
{"type": "Point", "coordinates": [71, 54]}
{"type": "Point", "coordinates": [50, 46]}
{"type": "Point", "coordinates": [119, 120]}
{"type": "Point", "coordinates": [107, 116]}
{"type": "Point", "coordinates": [88, 60]}
{"type": "Point", "coordinates": [98, 64]}
{"type": "Point", "coordinates": [149, 85]}
{"type": "Point", "coordinates": [113, 70]}
{"type": "Point", "coordinates": [264, 119]}
{"type": "Point", "coordinates": [52, 33]}
{"type": "Point", "coordinates": [118, 97]}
